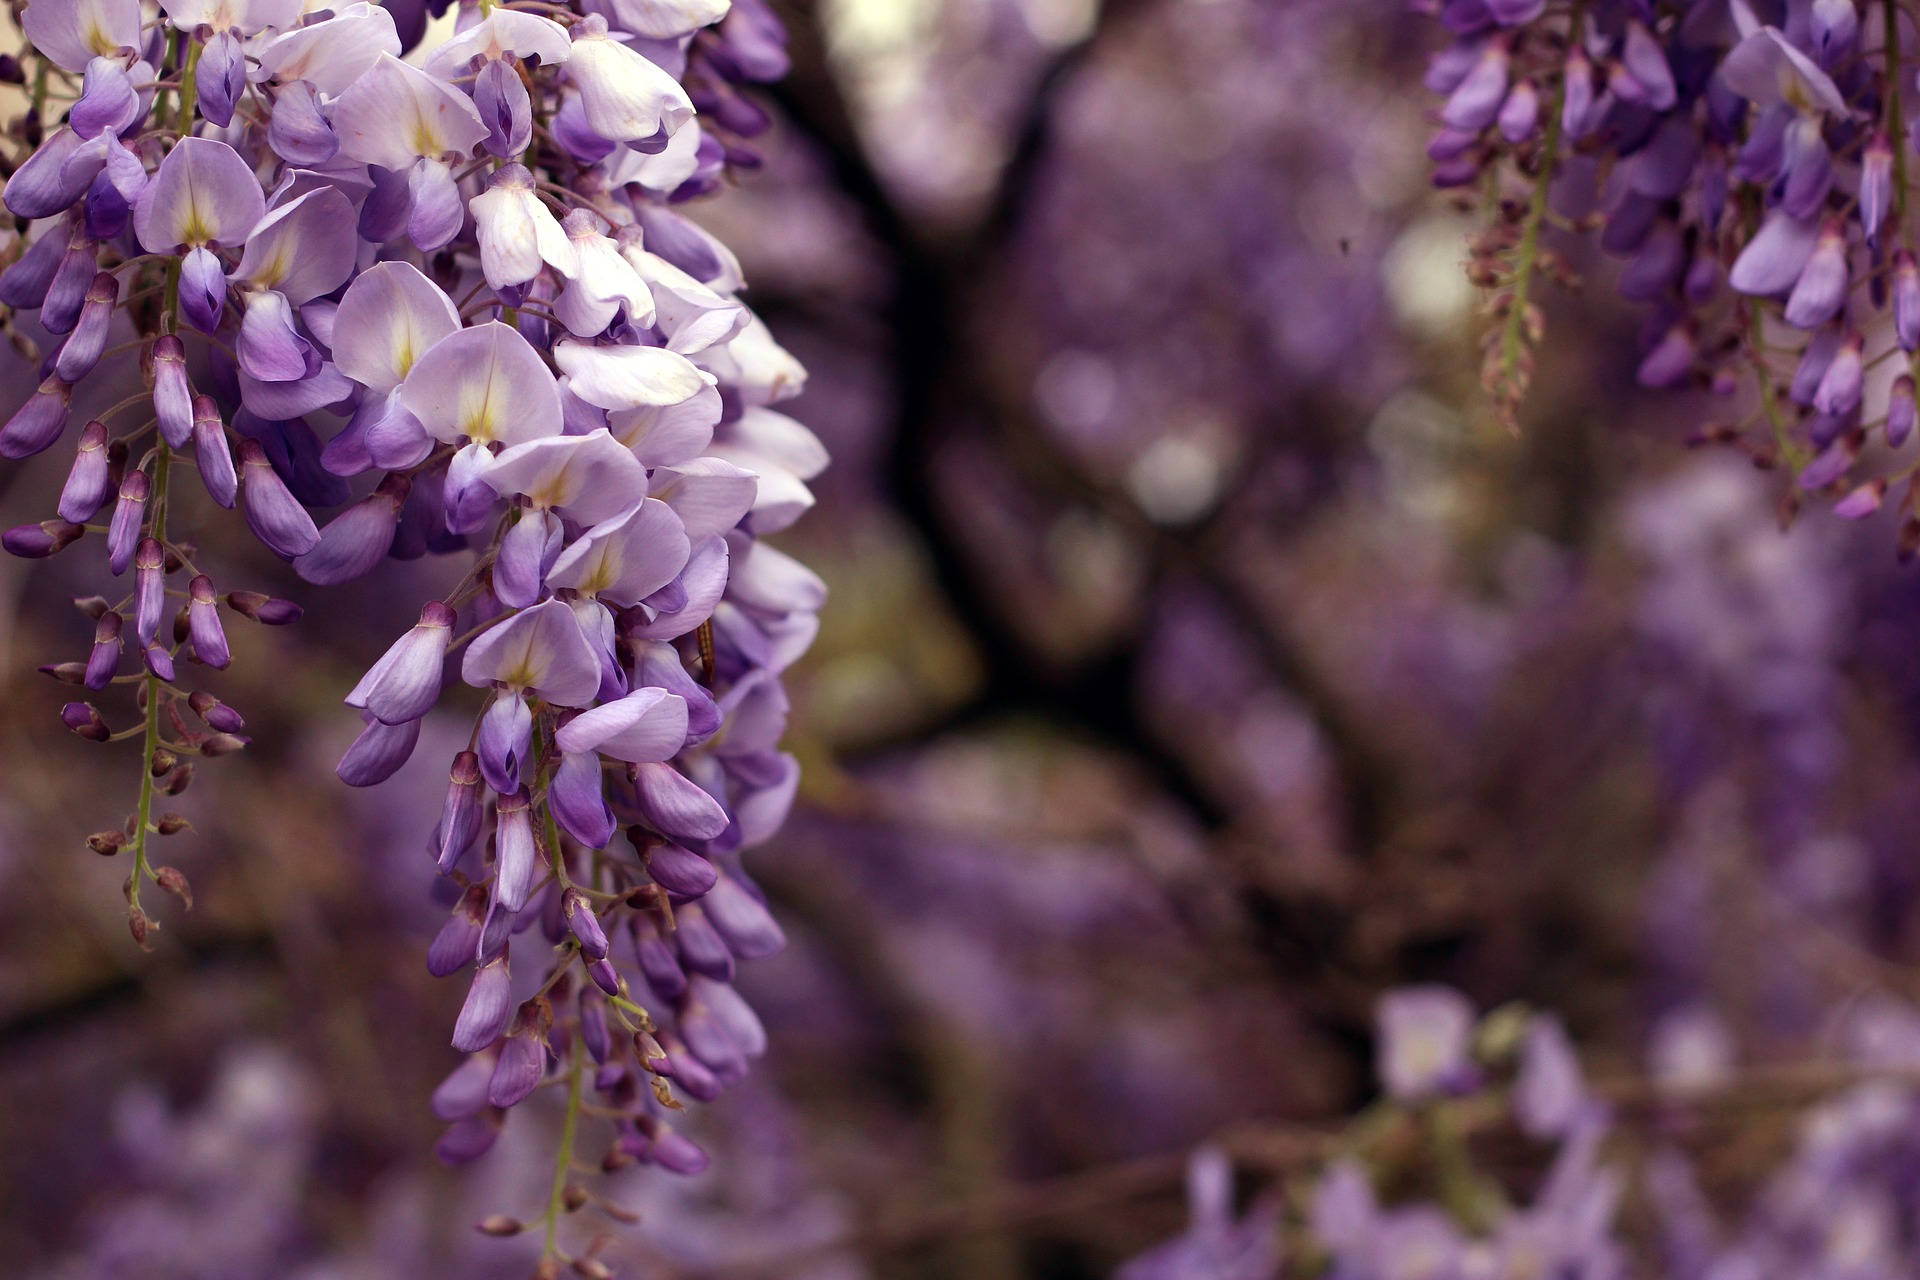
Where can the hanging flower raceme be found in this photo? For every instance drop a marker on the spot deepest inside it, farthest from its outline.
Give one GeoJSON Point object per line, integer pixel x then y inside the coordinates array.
{"type": "Point", "coordinates": [446, 299]}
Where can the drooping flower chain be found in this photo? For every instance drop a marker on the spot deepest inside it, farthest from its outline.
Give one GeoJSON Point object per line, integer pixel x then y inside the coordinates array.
{"type": "Point", "coordinates": [467, 273]}
{"type": "Point", "coordinates": [1749, 163]}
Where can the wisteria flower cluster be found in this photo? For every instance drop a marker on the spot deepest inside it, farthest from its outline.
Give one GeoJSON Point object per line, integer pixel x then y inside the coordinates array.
{"type": "Point", "coordinates": [1749, 163]}
{"type": "Point", "coordinates": [447, 289]}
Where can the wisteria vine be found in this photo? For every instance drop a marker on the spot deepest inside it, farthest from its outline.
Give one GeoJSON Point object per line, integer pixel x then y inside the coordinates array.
{"type": "Point", "coordinates": [447, 288]}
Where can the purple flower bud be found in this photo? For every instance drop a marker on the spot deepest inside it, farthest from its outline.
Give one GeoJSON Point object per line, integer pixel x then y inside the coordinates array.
{"type": "Point", "coordinates": [25, 281]}
{"type": "Point", "coordinates": [1576, 107]}
{"type": "Point", "coordinates": [467, 1141]}
{"type": "Point", "coordinates": [219, 716]}
{"type": "Point", "coordinates": [460, 814]}
{"type": "Point", "coordinates": [675, 806]}
{"type": "Point", "coordinates": [672, 1151]}
{"type": "Point", "coordinates": [501, 97]}
{"type": "Point", "coordinates": [269, 611]}
{"type": "Point", "coordinates": [681, 872]}
{"type": "Point", "coordinates": [203, 623]}
{"type": "Point", "coordinates": [719, 1026]}
{"type": "Point", "coordinates": [45, 183]}
{"type": "Point", "coordinates": [1863, 501]}
{"type": "Point", "coordinates": [1476, 100]}
{"type": "Point", "coordinates": [578, 913]}
{"type": "Point", "coordinates": [523, 1060]}
{"type": "Point", "coordinates": [578, 799]}
{"type": "Point", "coordinates": [1671, 360]}
{"type": "Point", "coordinates": [172, 390]}
{"type": "Point", "coordinates": [513, 851]}
{"type": "Point", "coordinates": [104, 660]}
{"type": "Point", "coordinates": [1520, 114]}
{"type": "Point", "coordinates": [1831, 463]}
{"type": "Point", "coordinates": [1906, 300]}
{"type": "Point", "coordinates": [455, 946]}
{"type": "Point", "coordinates": [81, 351]}
{"type": "Point", "coordinates": [1839, 389]}
{"type": "Point", "coordinates": [299, 132]}
{"type": "Point", "coordinates": [377, 753]}
{"type": "Point", "coordinates": [39, 422]}
{"type": "Point", "coordinates": [149, 589]}
{"type": "Point", "coordinates": [160, 662]}
{"type": "Point", "coordinates": [685, 1070]}
{"type": "Point", "coordinates": [203, 289]}
{"type": "Point", "coordinates": [501, 924]}
{"type": "Point", "coordinates": [438, 210]}
{"type": "Point", "coordinates": [85, 721]}
{"type": "Point", "coordinates": [593, 1024]}
{"type": "Point", "coordinates": [1900, 411]}
{"type": "Point", "coordinates": [211, 452]}
{"type": "Point", "coordinates": [742, 919]}
{"type": "Point", "coordinates": [357, 539]}
{"type": "Point", "coordinates": [37, 541]}
{"type": "Point", "coordinates": [1832, 24]}
{"type": "Point", "coordinates": [1876, 179]}
{"type": "Point", "coordinates": [220, 77]}
{"type": "Point", "coordinates": [464, 1092]}
{"type": "Point", "coordinates": [129, 512]}
{"type": "Point", "coordinates": [1646, 61]}
{"type": "Point", "coordinates": [488, 1006]}
{"type": "Point", "coordinates": [658, 963]}
{"type": "Point", "coordinates": [405, 683]}
{"type": "Point", "coordinates": [1822, 287]}
{"type": "Point", "coordinates": [67, 292]}
{"type": "Point", "coordinates": [273, 514]}
{"type": "Point", "coordinates": [700, 947]}
{"type": "Point", "coordinates": [605, 976]}
{"type": "Point", "coordinates": [89, 477]}
{"type": "Point", "coordinates": [107, 99]}
{"type": "Point", "coordinates": [1807, 166]}
{"type": "Point", "coordinates": [506, 736]}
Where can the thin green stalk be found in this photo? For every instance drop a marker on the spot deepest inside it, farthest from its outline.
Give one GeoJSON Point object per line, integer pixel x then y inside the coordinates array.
{"type": "Point", "coordinates": [563, 1163]}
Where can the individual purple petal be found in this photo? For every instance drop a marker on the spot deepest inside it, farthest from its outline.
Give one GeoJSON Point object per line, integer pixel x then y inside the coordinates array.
{"type": "Point", "coordinates": [129, 513]}
{"type": "Point", "coordinates": [172, 391]}
{"type": "Point", "coordinates": [521, 563]}
{"type": "Point", "coordinates": [488, 1006]}
{"type": "Point", "coordinates": [149, 589]}
{"type": "Point", "coordinates": [700, 948]}
{"type": "Point", "coordinates": [697, 590]}
{"type": "Point", "coordinates": [743, 920]}
{"type": "Point", "coordinates": [578, 799]}
{"type": "Point", "coordinates": [1645, 59]}
{"type": "Point", "coordinates": [624, 377]}
{"type": "Point", "coordinates": [483, 384]}
{"type": "Point", "coordinates": [24, 282]}
{"type": "Point", "coordinates": [203, 290]}
{"type": "Point", "coordinates": [270, 348]}
{"type": "Point", "coordinates": [357, 539]}
{"type": "Point", "coordinates": [333, 54]}
{"type": "Point", "coordinates": [203, 193]}
{"type": "Point", "coordinates": [646, 726]}
{"type": "Point", "coordinates": [384, 211]}
{"type": "Point", "coordinates": [377, 753]}
{"type": "Point", "coordinates": [39, 422]}
{"type": "Point", "coordinates": [523, 1060]}
{"type": "Point", "coordinates": [73, 32]}
{"type": "Point", "coordinates": [203, 623]}
{"type": "Point", "coordinates": [468, 500]}
{"type": "Point", "coordinates": [464, 1091]}
{"type": "Point", "coordinates": [513, 851]}
{"type": "Point", "coordinates": [708, 494]}
{"type": "Point", "coordinates": [539, 649]}
{"type": "Point", "coordinates": [211, 453]}
{"type": "Point", "coordinates": [82, 349]}
{"type": "Point", "coordinates": [681, 871]}
{"type": "Point", "coordinates": [1476, 100]}
{"type": "Point", "coordinates": [45, 183]}
{"type": "Point", "coordinates": [299, 131]}
{"type": "Point", "coordinates": [435, 210]}
{"type": "Point", "coordinates": [396, 113]}
{"type": "Point", "coordinates": [1671, 360]}
{"type": "Point", "coordinates": [1423, 1041]}
{"type": "Point", "coordinates": [693, 316]}
{"type": "Point", "coordinates": [1876, 181]}
{"type": "Point", "coordinates": [1900, 411]}
{"type": "Point", "coordinates": [505, 739]}
{"type": "Point", "coordinates": [1906, 300]}
{"type": "Point", "coordinates": [1767, 69]}
{"type": "Point", "coordinates": [388, 318]}
{"type": "Point", "coordinates": [516, 230]}
{"type": "Point", "coordinates": [1839, 389]}
{"type": "Point", "coordinates": [107, 100]}
{"type": "Point", "coordinates": [273, 514]}
{"type": "Point", "coordinates": [1549, 1090]}
{"type": "Point", "coordinates": [67, 291]}
{"type": "Point", "coordinates": [625, 97]}
{"type": "Point", "coordinates": [586, 478]}
{"type": "Point", "coordinates": [467, 1141]}
{"type": "Point", "coordinates": [675, 806]}
{"type": "Point", "coordinates": [770, 580]}
{"type": "Point", "coordinates": [501, 98]}
{"type": "Point", "coordinates": [303, 248]}
{"type": "Point", "coordinates": [1775, 257]}
{"type": "Point", "coordinates": [405, 683]}
{"type": "Point", "coordinates": [1822, 287]}
{"type": "Point", "coordinates": [104, 658]}
{"type": "Point", "coordinates": [625, 559]}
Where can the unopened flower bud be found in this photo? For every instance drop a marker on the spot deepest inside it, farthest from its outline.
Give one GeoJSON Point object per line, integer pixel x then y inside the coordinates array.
{"type": "Point", "coordinates": [105, 658]}
{"type": "Point", "coordinates": [499, 1224]}
{"type": "Point", "coordinates": [170, 824]}
{"type": "Point", "coordinates": [1900, 410]}
{"type": "Point", "coordinates": [89, 478]}
{"type": "Point", "coordinates": [172, 391]}
{"type": "Point", "coordinates": [222, 744]}
{"type": "Point", "coordinates": [265, 609]}
{"type": "Point", "coordinates": [37, 541]}
{"type": "Point", "coordinates": [274, 514]}
{"type": "Point", "coordinates": [83, 719]}
{"type": "Point", "coordinates": [460, 814]}
{"type": "Point", "coordinates": [38, 422]}
{"type": "Point", "coordinates": [107, 843]}
{"type": "Point", "coordinates": [219, 716]}
{"type": "Point", "coordinates": [162, 762]}
{"type": "Point", "coordinates": [174, 881]}
{"type": "Point", "coordinates": [149, 590]}
{"type": "Point", "coordinates": [179, 780]}
{"type": "Point", "coordinates": [129, 512]}
{"type": "Point", "coordinates": [203, 623]}
{"type": "Point", "coordinates": [82, 349]}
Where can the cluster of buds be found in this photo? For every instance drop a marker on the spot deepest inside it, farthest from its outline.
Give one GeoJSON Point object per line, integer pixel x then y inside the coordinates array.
{"type": "Point", "coordinates": [448, 294]}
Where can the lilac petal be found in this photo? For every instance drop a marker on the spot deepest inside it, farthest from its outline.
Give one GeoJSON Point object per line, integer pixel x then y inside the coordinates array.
{"type": "Point", "coordinates": [300, 132]}
{"type": "Point", "coordinates": [514, 851]}
{"type": "Point", "coordinates": [333, 54]}
{"type": "Point", "coordinates": [770, 580]}
{"type": "Point", "coordinates": [718, 1025]}
{"type": "Point", "coordinates": [681, 871]}
{"type": "Point", "coordinates": [377, 753]}
{"type": "Point", "coordinates": [666, 435]}
{"type": "Point", "coordinates": [302, 249]}
{"type": "Point", "coordinates": [628, 558]}
{"type": "Point", "coordinates": [579, 801]}
{"type": "Point", "coordinates": [521, 562]}
{"type": "Point", "coordinates": [287, 401]}
{"type": "Point", "coordinates": [384, 212]}
{"type": "Point", "coordinates": [71, 34]}
{"type": "Point", "coordinates": [468, 499]}
{"type": "Point", "coordinates": [541, 649]}
{"type": "Point", "coordinates": [1476, 100]}
{"type": "Point", "coordinates": [485, 383]}
{"type": "Point", "coordinates": [660, 664]}
{"type": "Point", "coordinates": [149, 590]}
{"type": "Point", "coordinates": [394, 438]}
{"type": "Point", "coordinates": [220, 77]}
{"type": "Point", "coordinates": [1900, 411]}
{"type": "Point", "coordinates": [625, 97]}
{"type": "Point", "coordinates": [517, 232]}
{"type": "Point", "coordinates": [743, 920]}
{"type": "Point", "coordinates": [44, 184]}
{"type": "Point", "coordinates": [1765, 68]}
{"type": "Point", "coordinates": [104, 658]}
{"type": "Point", "coordinates": [107, 101]}
{"type": "Point", "coordinates": [357, 539]}
{"type": "Point", "coordinates": [700, 585]}
{"type": "Point", "coordinates": [762, 808]}
{"type": "Point", "coordinates": [203, 193]}
{"type": "Point", "coordinates": [405, 683]}
{"type": "Point", "coordinates": [625, 377]}
{"type": "Point", "coordinates": [700, 948]}
{"type": "Point", "coordinates": [658, 963]}
{"type": "Point", "coordinates": [647, 726]}
{"type": "Point", "coordinates": [39, 422]}
{"type": "Point", "coordinates": [172, 391]}
{"type": "Point", "coordinates": [464, 1092]}
{"type": "Point", "coordinates": [396, 114]}
{"type": "Point", "coordinates": [203, 290]}
{"type": "Point", "coordinates": [67, 291]}
{"type": "Point", "coordinates": [1807, 169]}
{"type": "Point", "coordinates": [273, 514]}
{"type": "Point", "coordinates": [1822, 287]}
{"type": "Point", "coordinates": [388, 318]}
{"type": "Point", "coordinates": [435, 210]}
{"type": "Point", "coordinates": [1839, 388]}
{"type": "Point", "coordinates": [203, 623]}
{"type": "Point", "coordinates": [501, 97]}
{"type": "Point", "coordinates": [270, 349]}
{"type": "Point", "coordinates": [675, 806]}
{"type": "Point", "coordinates": [523, 1060]}
{"type": "Point", "coordinates": [89, 478]}
{"type": "Point", "coordinates": [467, 1141]}
{"type": "Point", "coordinates": [26, 279]}
{"type": "Point", "coordinates": [488, 1006]}
{"type": "Point", "coordinates": [460, 813]}
{"type": "Point", "coordinates": [708, 494]}
{"type": "Point", "coordinates": [210, 452]}
{"type": "Point", "coordinates": [586, 478]}
{"type": "Point", "coordinates": [129, 514]}
{"type": "Point", "coordinates": [506, 738]}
